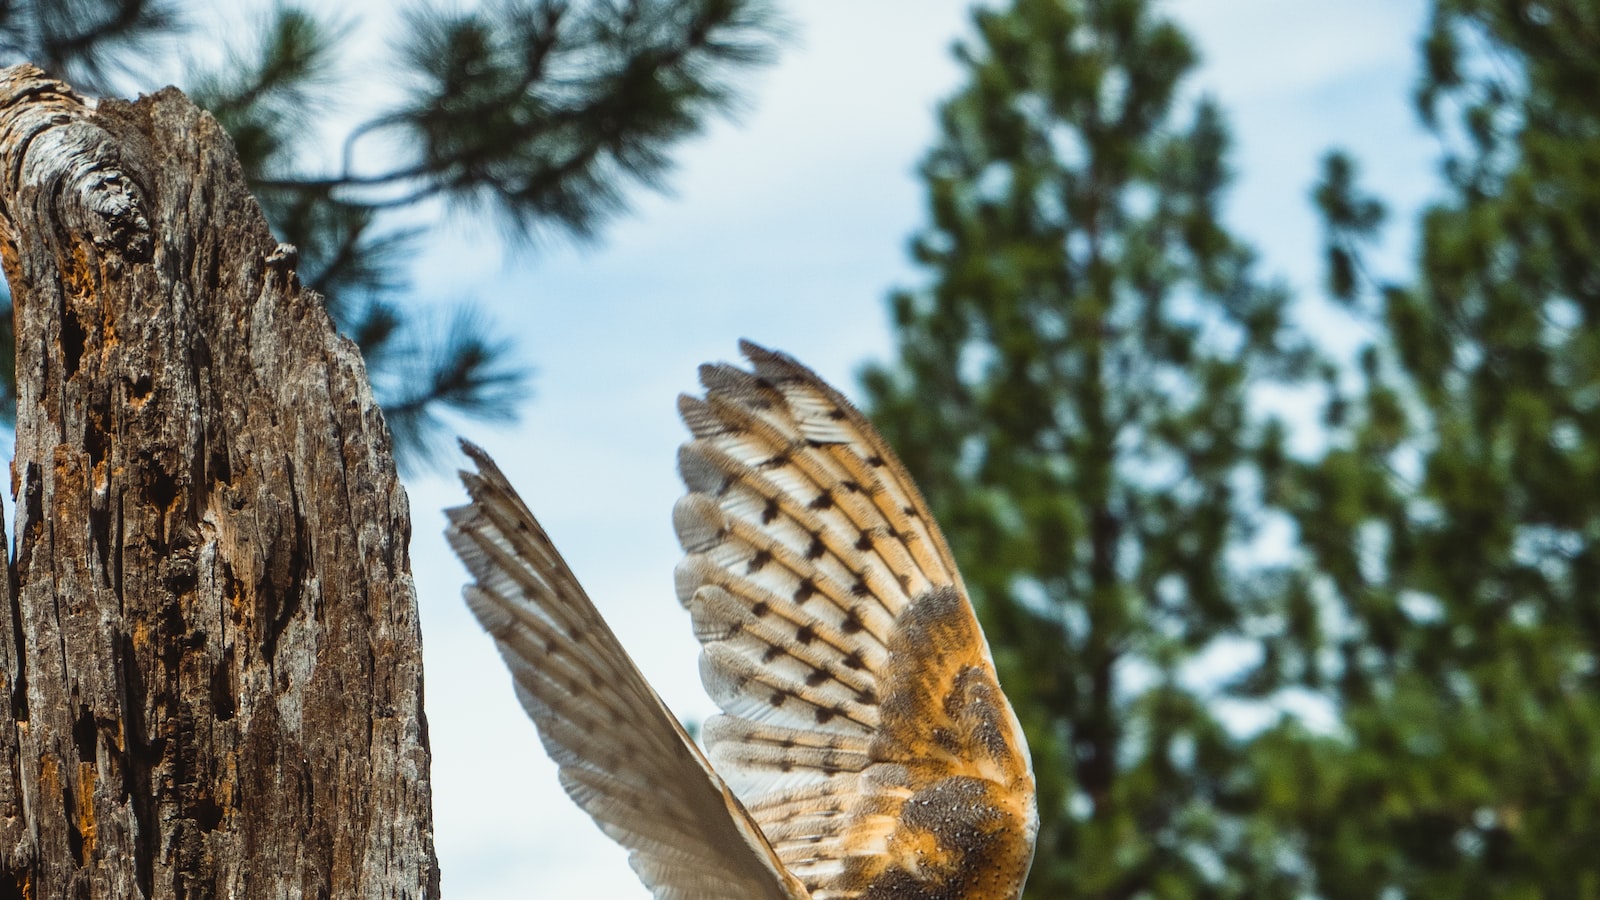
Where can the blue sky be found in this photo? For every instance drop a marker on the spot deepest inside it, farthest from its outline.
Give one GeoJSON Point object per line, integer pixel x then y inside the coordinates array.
{"type": "Point", "coordinates": [789, 227]}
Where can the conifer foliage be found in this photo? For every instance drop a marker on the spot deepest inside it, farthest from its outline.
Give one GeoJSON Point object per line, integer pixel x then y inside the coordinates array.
{"type": "Point", "coordinates": [546, 114]}
{"type": "Point", "coordinates": [1073, 390]}
{"type": "Point", "coordinates": [1453, 530]}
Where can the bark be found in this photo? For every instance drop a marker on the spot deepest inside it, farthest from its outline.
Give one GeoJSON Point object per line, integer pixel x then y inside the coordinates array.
{"type": "Point", "coordinates": [211, 677]}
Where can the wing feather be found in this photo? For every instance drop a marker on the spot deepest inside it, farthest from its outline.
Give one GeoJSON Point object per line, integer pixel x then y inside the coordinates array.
{"type": "Point", "coordinates": [862, 722]}
{"type": "Point", "coordinates": [623, 757]}
{"type": "Point", "coordinates": [863, 725]}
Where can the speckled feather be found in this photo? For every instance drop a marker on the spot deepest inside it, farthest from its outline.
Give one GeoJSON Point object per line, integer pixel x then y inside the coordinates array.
{"type": "Point", "coordinates": [863, 724]}
{"type": "Point", "coordinates": [623, 757]}
{"type": "Point", "coordinates": [863, 727]}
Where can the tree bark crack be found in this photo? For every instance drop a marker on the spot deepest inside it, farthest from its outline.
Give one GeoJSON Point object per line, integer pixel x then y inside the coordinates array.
{"type": "Point", "coordinates": [210, 559]}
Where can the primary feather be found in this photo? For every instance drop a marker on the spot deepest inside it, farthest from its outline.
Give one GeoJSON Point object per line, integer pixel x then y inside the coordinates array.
{"type": "Point", "coordinates": [623, 757]}
{"type": "Point", "coordinates": [863, 727]}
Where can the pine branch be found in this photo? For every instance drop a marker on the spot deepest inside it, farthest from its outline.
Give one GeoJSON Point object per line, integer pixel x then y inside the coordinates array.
{"type": "Point", "coordinates": [91, 43]}
{"type": "Point", "coordinates": [546, 112]}
{"type": "Point", "coordinates": [466, 373]}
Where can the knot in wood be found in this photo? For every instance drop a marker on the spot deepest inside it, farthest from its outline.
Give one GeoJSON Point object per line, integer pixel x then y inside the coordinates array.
{"type": "Point", "coordinates": [78, 164]}
{"type": "Point", "coordinates": [49, 138]}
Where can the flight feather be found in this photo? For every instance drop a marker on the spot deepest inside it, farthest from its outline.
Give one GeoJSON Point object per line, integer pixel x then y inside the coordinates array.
{"type": "Point", "coordinates": [623, 757]}
{"type": "Point", "coordinates": [868, 751]}
{"type": "Point", "coordinates": [863, 725]}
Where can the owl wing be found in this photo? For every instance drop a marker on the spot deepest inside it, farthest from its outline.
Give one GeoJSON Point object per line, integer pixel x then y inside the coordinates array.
{"type": "Point", "coordinates": [863, 725]}
{"type": "Point", "coordinates": [623, 757]}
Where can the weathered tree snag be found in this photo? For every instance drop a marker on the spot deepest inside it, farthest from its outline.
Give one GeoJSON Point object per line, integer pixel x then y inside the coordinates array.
{"type": "Point", "coordinates": [211, 678]}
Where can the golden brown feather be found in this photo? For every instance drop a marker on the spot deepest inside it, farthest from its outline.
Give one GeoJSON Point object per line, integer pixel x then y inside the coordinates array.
{"type": "Point", "coordinates": [863, 726]}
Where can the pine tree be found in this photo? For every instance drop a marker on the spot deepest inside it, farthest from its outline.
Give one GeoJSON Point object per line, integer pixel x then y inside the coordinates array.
{"type": "Point", "coordinates": [543, 113]}
{"type": "Point", "coordinates": [1452, 533]}
{"type": "Point", "coordinates": [1074, 392]}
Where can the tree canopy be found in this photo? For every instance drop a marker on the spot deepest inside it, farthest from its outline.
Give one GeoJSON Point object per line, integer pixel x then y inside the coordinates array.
{"type": "Point", "coordinates": [1073, 390]}
{"type": "Point", "coordinates": [1077, 387]}
{"type": "Point", "coordinates": [1451, 530]}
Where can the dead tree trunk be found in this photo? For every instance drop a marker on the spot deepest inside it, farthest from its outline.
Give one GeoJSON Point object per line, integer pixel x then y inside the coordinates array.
{"type": "Point", "coordinates": [211, 677]}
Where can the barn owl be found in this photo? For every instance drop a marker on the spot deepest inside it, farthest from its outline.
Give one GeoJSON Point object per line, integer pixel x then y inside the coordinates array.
{"type": "Point", "coordinates": [864, 748]}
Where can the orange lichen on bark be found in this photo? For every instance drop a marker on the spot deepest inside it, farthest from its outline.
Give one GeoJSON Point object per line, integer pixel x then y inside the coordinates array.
{"type": "Point", "coordinates": [87, 825]}
{"type": "Point", "coordinates": [77, 276]}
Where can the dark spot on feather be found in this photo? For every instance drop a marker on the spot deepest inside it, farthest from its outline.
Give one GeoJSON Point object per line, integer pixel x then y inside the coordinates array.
{"type": "Point", "coordinates": [864, 542]}
{"type": "Point", "coordinates": [824, 501]}
{"type": "Point", "coordinates": [875, 461]}
{"type": "Point", "coordinates": [786, 766]}
{"type": "Point", "coordinates": [850, 486]}
{"type": "Point", "coordinates": [852, 621]}
{"type": "Point", "coordinates": [757, 399]}
{"type": "Point", "coordinates": [905, 582]}
{"type": "Point", "coordinates": [777, 461]}
{"type": "Point", "coordinates": [760, 609]}
{"type": "Point", "coordinates": [805, 635]}
{"type": "Point", "coordinates": [551, 647]}
{"type": "Point", "coordinates": [824, 716]}
{"type": "Point", "coordinates": [576, 634]}
{"type": "Point", "coordinates": [860, 589]}
{"type": "Point", "coordinates": [771, 654]}
{"type": "Point", "coordinates": [867, 696]}
{"type": "Point", "coordinates": [814, 444]}
{"type": "Point", "coordinates": [818, 676]}
{"type": "Point", "coordinates": [805, 591]}
{"type": "Point", "coordinates": [836, 414]}
{"type": "Point", "coordinates": [759, 561]}
{"type": "Point", "coordinates": [852, 660]}
{"type": "Point", "coordinates": [787, 744]}
{"type": "Point", "coordinates": [816, 549]}
{"type": "Point", "coordinates": [909, 510]}
{"type": "Point", "coordinates": [769, 512]}
{"type": "Point", "coordinates": [778, 697]}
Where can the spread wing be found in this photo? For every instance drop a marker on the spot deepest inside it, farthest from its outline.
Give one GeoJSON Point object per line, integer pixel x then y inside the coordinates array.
{"type": "Point", "coordinates": [623, 756]}
{"type": "Point", "coordinates": [863, 724]}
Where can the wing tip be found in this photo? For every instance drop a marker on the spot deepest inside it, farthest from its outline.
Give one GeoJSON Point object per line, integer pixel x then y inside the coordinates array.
{"type": "Point", "coordinates": [479, 456]}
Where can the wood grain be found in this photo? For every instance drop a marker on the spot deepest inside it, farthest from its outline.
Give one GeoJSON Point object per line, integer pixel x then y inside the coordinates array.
{"type": "Point", "coordinates": [212, 680]}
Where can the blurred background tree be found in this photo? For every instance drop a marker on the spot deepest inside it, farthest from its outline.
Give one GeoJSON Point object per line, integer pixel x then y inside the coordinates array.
{"type": "Point", "coordinates": [1078, 388]}
{"type": "Point", "coordinates": [1452, 531]}
{"type": "Point", "coordinates": [544, 113]}
{"type": "Point", "coordinates": [1075, 392]}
